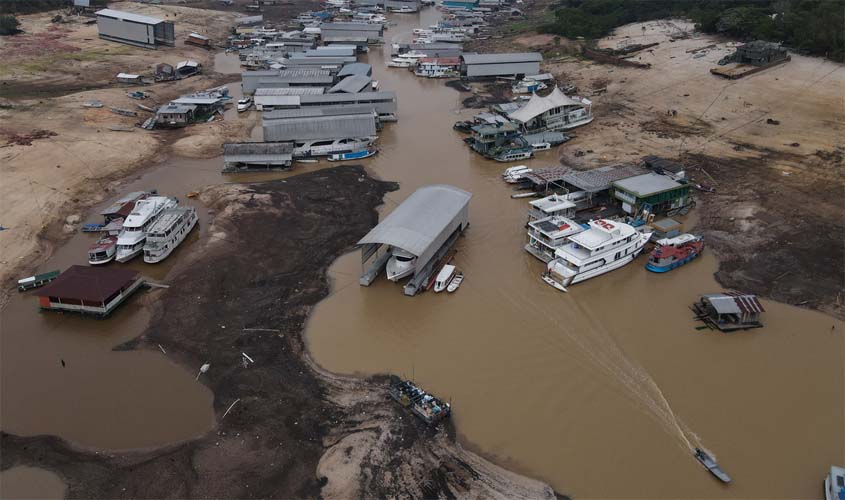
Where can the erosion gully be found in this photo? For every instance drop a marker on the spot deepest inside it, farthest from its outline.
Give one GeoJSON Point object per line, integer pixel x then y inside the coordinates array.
{"type": "Point", "coordinates": [601, 392]}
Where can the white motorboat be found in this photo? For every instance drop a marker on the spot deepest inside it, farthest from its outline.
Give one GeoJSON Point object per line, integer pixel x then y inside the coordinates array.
{"type": "Point", "coordinates": [514, 175]}
{"type": "Point", "coordinates": [103, 250]}
{"type": "Point", "coordinates": [444, 277]}
{"type": "Point", "coordinates": [605, 246]}
{"type": "Point", "coordinates": [307, 149]}
{"type": "Point", "coordinates": [834, 484]}
{"type": "Point", "coordinates": [398, 62]}
{"type": "Point", "coordinates": [130, 241]}
{"type": "Point", "coordinates": [168, 232]}
{"type": "Point", "coordinates": [456, 282]}
{"type": "Point", "coordinates": [400, 265]}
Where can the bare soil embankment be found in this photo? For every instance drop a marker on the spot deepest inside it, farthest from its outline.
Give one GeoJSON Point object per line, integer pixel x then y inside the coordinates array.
{"type": "Point", "coordinates": [292, 430]}
{"type": "Point", "coordinates": [771, 144]}
{"type": "Point", "coordinates": [57, 157]}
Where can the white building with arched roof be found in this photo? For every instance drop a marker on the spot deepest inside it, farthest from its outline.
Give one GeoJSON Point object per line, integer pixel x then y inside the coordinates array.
{"type": "Point", "coordinates": [556, 111]}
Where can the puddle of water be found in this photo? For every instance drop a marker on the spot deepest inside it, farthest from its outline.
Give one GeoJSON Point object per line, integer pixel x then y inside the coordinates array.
{"type": "Point", "coordinates": [30, 482]}
{"type": "Point", "coordinates": [611, 377]}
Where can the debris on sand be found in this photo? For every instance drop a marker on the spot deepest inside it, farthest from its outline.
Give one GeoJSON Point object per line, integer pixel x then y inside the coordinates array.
{"type": "Point", "coordinates": [15, 139]}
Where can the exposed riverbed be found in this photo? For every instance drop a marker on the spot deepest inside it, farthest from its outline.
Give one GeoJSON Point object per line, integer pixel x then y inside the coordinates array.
{"type": "Point", "coordinates": [599, 391]}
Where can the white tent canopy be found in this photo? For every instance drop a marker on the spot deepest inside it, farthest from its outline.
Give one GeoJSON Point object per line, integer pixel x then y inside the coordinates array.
{"type": "Point", "coordinates": [537, 105]}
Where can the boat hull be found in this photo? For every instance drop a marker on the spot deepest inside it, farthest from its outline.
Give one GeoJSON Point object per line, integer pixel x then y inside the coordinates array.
{"type": "Point", "coordinates": [668, 267]}
{"type": "Point", "coordinates": [616, 264]}
{"type": "Point", "coordinates": [154, 259]}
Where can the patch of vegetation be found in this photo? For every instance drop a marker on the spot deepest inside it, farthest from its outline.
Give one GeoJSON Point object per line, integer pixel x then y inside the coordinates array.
{"type": "Point", "coordinates": [8, 25]}
{"type": "Point", "coordinates": [51, 62]}
{"type": "Point", "coordinates": [813, 26]}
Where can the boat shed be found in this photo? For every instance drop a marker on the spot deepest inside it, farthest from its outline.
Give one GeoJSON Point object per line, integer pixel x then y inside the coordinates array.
{"type": "Point", "coordinates": [301, 59]}
{"type": "Point", "coordinates": [247, 156]}
{"type": "Point", "coordinates": [299, 77]}
{"type": "Point", "coordinates": [651, 193]}
{"type": "Point", "coordinates": [511, 64]}
{"type": "Point", "coordinates": [135, 29]}
{"type": "Point", "coordinates": [308, 124]}
{"type": "Point", "coordinates": [384, 103]}
{"type": "Point", "coordinates": [434, 49]}
{"type": "Point", "coordinates": [345, 32]}
{"type": "Point", "coordinates": [356, 68]}
{"type": "Point", "coordinates": [265, 102]}
{"type": "Point", "coordinates": [332, 51]}
{"type": "Point", "coordinates": [89, 290]}
{"type": "Point", "coordinates": [250, 79]}
{"type": "Point", "coordinates": [426, 225]}
{"type": "Point", "coordinates": [352, 85]}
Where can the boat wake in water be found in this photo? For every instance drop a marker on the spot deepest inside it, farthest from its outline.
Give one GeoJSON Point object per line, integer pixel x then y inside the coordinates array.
{"type": "Point", "coordinates": [602, 351]}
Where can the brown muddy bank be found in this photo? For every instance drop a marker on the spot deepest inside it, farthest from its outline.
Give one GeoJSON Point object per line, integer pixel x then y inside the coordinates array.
{"type": "Point", "coordinates": [294, 431]}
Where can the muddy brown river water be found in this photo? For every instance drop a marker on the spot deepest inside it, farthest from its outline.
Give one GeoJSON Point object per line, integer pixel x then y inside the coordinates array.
{"type": "Point", "coordinates": [600, 391]}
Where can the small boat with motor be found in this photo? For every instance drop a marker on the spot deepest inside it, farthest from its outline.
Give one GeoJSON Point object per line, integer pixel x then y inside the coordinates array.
{"type": "Point", "coordinates": [710, 464]}
{"type": "Point", "coordinates": [541, 146]}
{"type": "Point", "coordinates": [674, 252]}
{"type": "Point", "coordinates": [455, 283]}
{"type": "Point", "coordinates": [400, 264]}
{"type": "Point", "coordinates": [102, 251]}
{"type": "Point", "coordinates": [444, 277]}
{"type": "Point", "coordinates": [354, 155]}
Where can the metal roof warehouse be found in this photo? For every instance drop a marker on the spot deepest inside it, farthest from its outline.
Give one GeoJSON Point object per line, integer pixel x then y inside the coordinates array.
{"type": "Point", "coordinates": [256, 155]}
{"type": "Point", "coordinates": [319, 123]}
{"type": "Point", "coordinates": [521, 63]}
{"type": "Point", "coordinates": [135, 29]}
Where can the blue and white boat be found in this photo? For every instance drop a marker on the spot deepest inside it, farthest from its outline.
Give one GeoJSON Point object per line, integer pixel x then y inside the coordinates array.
{"type": "Point", "coordinates": [354, 155]}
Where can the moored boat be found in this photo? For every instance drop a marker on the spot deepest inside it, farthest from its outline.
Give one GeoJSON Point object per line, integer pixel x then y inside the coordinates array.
{"type": "Point", "coordinates": [168, 232]}
{"type": "Point", "coordinates": [36, 281]}
{"type": "Point", "coordinates": [354, 155]}
{"type": "Point", "coordinates": [605, 246]}
{"type": "Point", "coordinates": [455, 283]}
{"type": "Point", "coordinates": [710, 464]}
{"type": "Point", "coordinates": [131, 240]}
{"type": "Point", "coordinates": [400, 264]}
{"type": "Point", "coordinates": [834, 484]}
{"type": "Point", "coordinates": [444, 277]}
{"type": "Point", "coordinates": [674, 252]}
{"type": "Point", "coordinates": [103, 250]}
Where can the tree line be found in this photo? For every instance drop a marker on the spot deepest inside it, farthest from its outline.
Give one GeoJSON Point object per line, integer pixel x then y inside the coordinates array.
{"type": "Point", "coordinates": [31, 6]}
{"type": "Point", "coordinates": [815, 27]}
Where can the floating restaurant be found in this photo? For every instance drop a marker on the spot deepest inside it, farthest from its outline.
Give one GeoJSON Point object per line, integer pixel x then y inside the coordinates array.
{"type": "Point", "coordinates": [89, 290]}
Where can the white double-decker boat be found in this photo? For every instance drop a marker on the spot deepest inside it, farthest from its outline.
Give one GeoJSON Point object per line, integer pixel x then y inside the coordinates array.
{"type": "Point", "coordinates": [168, 232]}
{"type": "Point", "coordinates": [605, 246]}
{"type": "Point", "coordinates": [132, 237]}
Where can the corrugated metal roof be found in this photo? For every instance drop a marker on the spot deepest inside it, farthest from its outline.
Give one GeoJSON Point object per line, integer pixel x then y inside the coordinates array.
{"type": "Point", "coordinates": [350, 98]}
{"type": "Point", "coordinates": [419, 223]}
{"type": "Point", "coordinates": [345, 36]}
{"type": "Point", "coordinates": [300, 91]}
{"type": "Point", "coordinates": [257, 148]}
{"type": "Point", "coordinates": [513, 57]}
{"type": "Point", "coordinates": [320, 127]}
{"type": "Point", "coordinates": [129, 16]}
{"type": "Point", "coordinates": [352, 85]}
{"type": "Point", "coordinates": [350, 27]}
{"type": "Point", "coordinates": [356, 68]}
{"type": "Point", "coordinates": [599, 179]}
{"type": "Point", "coordinates": [646, 184]}
{"type": "Point", "coordinates": [313, 111]}
{"type": "Point", "coordinates": [277, 100]}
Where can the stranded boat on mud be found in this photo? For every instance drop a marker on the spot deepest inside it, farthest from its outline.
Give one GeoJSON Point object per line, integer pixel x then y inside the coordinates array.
{"type": "Point", "coordinates": [422, 404]}
{"type": "Point", "coordinates": [674, 252]}
{"type": "Point", "coordinates": [605, 246]}
{"type": "Point", "coordinates": [168, 232]}
{"type": "Point", "coordinates": [710, 464]}
{"type": "Point", "coordinates": [355, 155]}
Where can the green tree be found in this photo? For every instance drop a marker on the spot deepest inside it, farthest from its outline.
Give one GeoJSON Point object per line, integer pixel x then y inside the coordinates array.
{"type": "Point", "coordinates": [8, 24]}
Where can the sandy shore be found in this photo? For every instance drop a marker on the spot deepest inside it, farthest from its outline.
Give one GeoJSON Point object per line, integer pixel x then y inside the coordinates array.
{"type": "Point", "coordinates": [778, 183]}
{"type": "Point", "coordinates": [80, 161]}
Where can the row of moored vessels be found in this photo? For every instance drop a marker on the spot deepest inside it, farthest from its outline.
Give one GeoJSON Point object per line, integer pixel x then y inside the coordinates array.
{"type": "Point", "coordinates": [575, 252]}
{"type": "Point", "coordinates": [142, 223]}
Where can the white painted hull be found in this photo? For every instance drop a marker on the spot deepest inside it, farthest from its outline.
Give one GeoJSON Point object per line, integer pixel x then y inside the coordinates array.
{"type": "Point", "coordinates": [126, 255]}
{"type": "Point", "coordinates": [592, 273]}
{"type": "Point", "coordinates": [180, 237]}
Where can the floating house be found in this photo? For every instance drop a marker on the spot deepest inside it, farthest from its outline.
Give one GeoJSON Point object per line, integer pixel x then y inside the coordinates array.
{"type": "Point", "coordinates": [729, 311]}
{"type": "Point", "coordinates": [249, 156]}
{"type": "Point", "coordinates": [548, 234]}
{"type": "Point", "coordinates": [174, 115]}
{"type": "Point", "coordinates": [135, 29]}
{"type": "Point", "coordinates": [492, 140]}
{"type": "Point", "coordinates": [510, 64]}
{"type": "Point", "coordinates": [556, 111]}
{"type": "Point", "coordinates": [197, 39]}
{"type": "Point", "coordinates": [438, 67]}
{"type": "Point", "coordinates": [426, 225]}
{"type": "Point", "coordinates": [652, 194]}
{"type": "Point", "coordinates": [664, 166]}
{"type": "Point", "coordinates": [89, 290]}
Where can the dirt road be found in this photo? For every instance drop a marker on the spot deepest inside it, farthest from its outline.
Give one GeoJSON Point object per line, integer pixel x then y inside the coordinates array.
{"type": "Point", "coordinates": [285, 428]}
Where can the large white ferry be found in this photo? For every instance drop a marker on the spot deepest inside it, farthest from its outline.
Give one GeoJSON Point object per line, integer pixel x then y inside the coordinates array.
{"type": "Point", "coordinates": [605, 246]}
{"type": "Point", "coordinates": [131, 240]}
{"type": "Point", "coordinates": [168, 232]}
